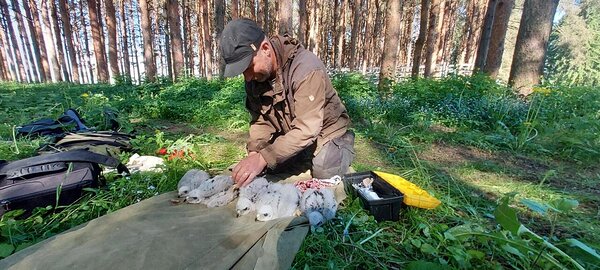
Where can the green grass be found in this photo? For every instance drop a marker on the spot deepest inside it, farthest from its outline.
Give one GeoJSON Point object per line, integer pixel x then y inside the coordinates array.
{"type": "Point", "coordinates": [467, 140]}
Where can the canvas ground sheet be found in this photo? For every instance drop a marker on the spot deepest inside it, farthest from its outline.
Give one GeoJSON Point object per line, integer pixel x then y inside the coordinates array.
{"type": "Point", "coordinates": [157, 234]}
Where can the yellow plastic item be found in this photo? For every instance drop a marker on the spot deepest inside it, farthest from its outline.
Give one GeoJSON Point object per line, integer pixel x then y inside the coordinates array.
{"type": "Point", "coordinates": [413, 195]}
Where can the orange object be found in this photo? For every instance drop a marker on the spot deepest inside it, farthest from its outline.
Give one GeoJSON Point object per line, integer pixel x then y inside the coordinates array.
{"type": "Point", "coordinates": [162, 151]}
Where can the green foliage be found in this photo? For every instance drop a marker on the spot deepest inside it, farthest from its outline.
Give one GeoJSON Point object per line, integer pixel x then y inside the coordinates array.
{"type": "Point", "coordinates": [573, 56]}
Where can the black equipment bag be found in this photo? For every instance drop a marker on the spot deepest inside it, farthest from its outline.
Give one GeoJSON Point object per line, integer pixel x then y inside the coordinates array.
{"type": "Point", "coordinates": [69, 121]}
{"type": "Point", "coordinates": [102, 142]}
{"type": "Point", "coordinates": [34, 182]}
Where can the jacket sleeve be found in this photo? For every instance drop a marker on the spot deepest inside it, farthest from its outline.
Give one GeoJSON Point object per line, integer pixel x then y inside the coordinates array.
{"type": "Point", "coordinates": [309, 100]}
{"type": "Point", "coordinates": [261, 130]}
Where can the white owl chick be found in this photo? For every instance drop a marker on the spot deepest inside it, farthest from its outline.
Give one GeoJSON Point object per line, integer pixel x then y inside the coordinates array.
{"type": "Point", "coordinates": [191, 180]}
{"type": "Point", "coordinates": [249, 194]}
{"type": "Point", "coordinates": [214, 185]}
{"type": "Point", "coordinates": [222, 198]}
{"type": "Point", "coordinates": [319, 205]}
{"type": "Point", "coordinates": [278, 201]}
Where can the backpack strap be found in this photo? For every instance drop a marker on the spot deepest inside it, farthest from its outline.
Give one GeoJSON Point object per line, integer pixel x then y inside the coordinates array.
{"type": "Point", "coordinates": [68, 156]}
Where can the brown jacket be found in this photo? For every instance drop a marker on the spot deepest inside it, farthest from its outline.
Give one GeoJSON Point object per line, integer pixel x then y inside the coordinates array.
{"type": "Point", "coordinates": [298, 108]}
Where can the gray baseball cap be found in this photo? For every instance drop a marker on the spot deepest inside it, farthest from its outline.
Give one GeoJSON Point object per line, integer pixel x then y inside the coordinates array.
{"type": "Point", "coordinates": [240, 39]}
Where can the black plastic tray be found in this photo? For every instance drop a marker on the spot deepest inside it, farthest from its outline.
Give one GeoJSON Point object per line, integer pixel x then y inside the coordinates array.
{"type": "Point", "coordinates": [386, 208]}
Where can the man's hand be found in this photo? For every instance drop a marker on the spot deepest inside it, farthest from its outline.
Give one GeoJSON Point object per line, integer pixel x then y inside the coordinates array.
{"type": "Point", "coordinates": [248, 168]}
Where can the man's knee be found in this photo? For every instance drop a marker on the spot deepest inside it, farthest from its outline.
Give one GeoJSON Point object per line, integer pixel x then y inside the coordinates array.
{"type": "Point", "coordinates": [335, 157]}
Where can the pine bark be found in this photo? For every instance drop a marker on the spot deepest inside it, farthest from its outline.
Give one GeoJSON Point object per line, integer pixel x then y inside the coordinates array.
{"type": "Point", "coordinates": [285, 17]}
{"type": "Point", "coordinates": [425, 4]}
{"type": "Point", "coordinates": [368, 36]}
{"type": "Point", "coordinates": [432, 36]}
{"type": "Point", "coordinates": [29, 64]}
{"type": "Point", "coordinates": [499, 29]}
{"type": "Point", "coordinates": [60, 53]}
{"type": "Point", "coordinates": [88, 52]}
{"type": "Point", "coordinates": [124, 41]}
{"type": "Point", "coordinates": [356, 13]}
{"type": "Point", "coordinates": [392, 34]}
{"type": "Point", "coordinates": [34, 42]}
{"type": "Point", "coordinates": [187, 38]}
{"type": "Point", "coordinates": [10, 32]}
{"type": "Point", "coordinates": [302, 22]}
{"type": "Point", "coordinates": [66, 23]}
{"type": "Point", "coordinates": [5, 52]}
{"type": "Point", "coordinates": [101, 65]}
{"type": "Point", "coordinates": [219, 25]}
{"type": "Point", "coordinates": [111, 26]}
{"type": "Point", "coordinates": [405, 41]}
{"type": "Point", "coordinates": [235, 9]}
{"type": "Point", "coordinates": [134, 43]}
{"type": "Point", "coordinates": [532, 44]}
{"type": "Point", "coordinates": [485, 36]}
{"type": "Point", "coordinates": [45, 66]}
{"type": "Point", "coordinates": [208, 60]}
{"type": "Point", "coordinates": [147, 37]}
{"type": "Point", "coordinates": [341, 37]}
{"type": "Point", "coordinates": [175, 38]}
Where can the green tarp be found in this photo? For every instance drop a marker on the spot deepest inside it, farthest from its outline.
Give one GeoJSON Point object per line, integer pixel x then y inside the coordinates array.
{"type": "Point", "coordinates": [155, 234]}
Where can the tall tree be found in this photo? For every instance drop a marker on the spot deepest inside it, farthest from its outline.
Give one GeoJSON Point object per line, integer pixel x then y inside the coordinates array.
{"type": "Point", "coordinates": [101, 65]}
{"type": "Point", "coordinates": [60, 53]}
{"type": "Point", "coordinates": [66, 24]}
{"type": "Point", "coordinates": [88, 52]}
{"type": "Point", "coordinates": [432, 35]}
{"type": "Point", "coordinates": [10, 32]}
{"type": "Point", "coordinates": [285, 17]}
{"type": "Point", "coordinates": [5, 52]}
{"type": "Point", "coordinates": [29, 64]}
{"type": "Point", "coordinates": [34, 41]}
{"type": "Point", "coordinates": [147, 36]}
{"type": "Point", "coordinates": [35, 18]}
{"type": "Point", "coordinates": [125, 44]}
{"type": "Point", "coordinates": [302, 22]}
{"type": "Point", "coordinates": [208, 60]}
{"type": "Point", "coordinates": [392, 34]}
{"type": "Point", "coordinates": [357, 14]}
{"type": "Point", "coordinates": [486, 35]}
{"type": "Point", "coordinates": [341, 35]}
{"type": "Point", "coordinates": [499, 29]}
{"type": "Point", "coordinates": [134, 42]}
{"type": "Point", "coordinates": [219, 25]}
{"type": "Point", "coordinates": [532, 43]}
{"type": "Point", "coordinates": [425, 4]}
{"type": "Point", "coordinates": [111, 26]}
{"type": "Point", "coordinates": [187, 38]}
{"type": "Point", "coordinates": [175, 37]}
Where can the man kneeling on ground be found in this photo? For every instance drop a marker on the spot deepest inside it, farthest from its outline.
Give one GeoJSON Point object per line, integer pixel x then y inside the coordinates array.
{"type": "Point", "coordinates": [297, 115]}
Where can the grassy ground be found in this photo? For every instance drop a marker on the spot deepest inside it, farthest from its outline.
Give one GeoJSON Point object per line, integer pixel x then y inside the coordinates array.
{"type": "Point", "coordinates": [468, 141]}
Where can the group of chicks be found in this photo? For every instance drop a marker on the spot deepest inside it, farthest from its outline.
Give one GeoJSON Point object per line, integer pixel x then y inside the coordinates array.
{"type": "Point", "coordinates": [268, 200]}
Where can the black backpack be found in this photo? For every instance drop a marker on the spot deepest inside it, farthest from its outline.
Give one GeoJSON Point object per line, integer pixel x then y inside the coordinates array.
{"type": "Point", "coordinates": [69, 121]}
{"type": "Point", "coordinates": [34, 182]}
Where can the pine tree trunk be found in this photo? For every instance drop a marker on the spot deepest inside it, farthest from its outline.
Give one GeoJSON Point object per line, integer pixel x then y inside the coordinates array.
{"type": "Point", "coordinates": [368, 36]}
{"type": "Point", "coordinates": [29, 64]}
{"type": "Point", "coordinates": [168, 50]}
{"type": "Point", "coordinates": [357, 13]}
{"type": "Point", "coordinates": [66, 23]}
{"type": "Point", "coordinates": [34, 42]}
{"type": "Point", "coordinates": [219, 25]}
{"type": "Point", "coordinates": [111, 26]}
{"type": "Point", "coordinates": [375, 50]}
{"type": "Point", "coordinates": [235, 9]}
{"type": "Point", "coordinates": [302, 22]}
{"type": "Point", "coordinates": [499, 29]}
{"type": "Point", "coordinates": [60, 53]}
{"type": "Point", "coordinates": [101, 65]}
{"type": "Point", "coordinates": [45, 66]}
{"type": "Point", "coordinates": [147, 36]}
{"type": "Point", "coordinates": [208, 60]}
{"type": "Point", "coordinates": [486, 34]}
{"type": "Point", "coordinates": [5, 52]}
{"type": "Point", "coordinates": [88, 52]}
{"type": "Point", "coordinates": [13, 39]}
{"type": "Point", "coordinates": [124, 42]}
{"type": "Point", "coordinates": [285, 17]}
{"type": "Point", "coordinates": [392, 33]}
{"type": "Point", "coordinates": [432, 35]}
{"type": "Point", "coordinates": [187, 39]}
{"type": "Point", "coordinates": [425, 4]}
{"type": "Point", "coordinates": [134, 43]}
{"type": "Point", "coordinates": [405, 42]}
{"type": "Point", "coordinates": [75, 27]}
{"type": "Point", "coordinates": [532, 44]}
{"type": "Point", "coordinates": [341, 37]}
{"type": "Point", "coordinates": [175, 37]}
